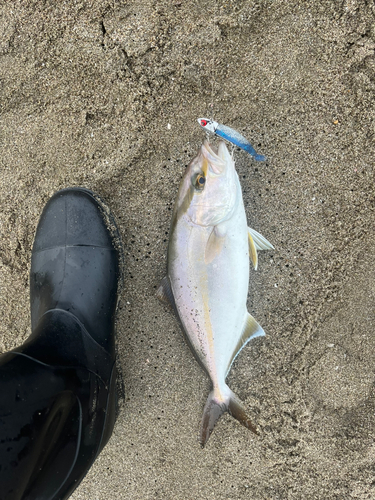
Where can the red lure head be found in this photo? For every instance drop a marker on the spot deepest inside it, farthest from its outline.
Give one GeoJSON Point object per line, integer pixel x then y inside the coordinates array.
{"type": "Point", "coordinates": [207, 124]}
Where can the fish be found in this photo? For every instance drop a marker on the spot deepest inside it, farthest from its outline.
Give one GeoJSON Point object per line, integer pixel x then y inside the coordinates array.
{"type": "Point", "coordinates": [207, 279]}
{"type": "Point", "coordinates": [230, 135]}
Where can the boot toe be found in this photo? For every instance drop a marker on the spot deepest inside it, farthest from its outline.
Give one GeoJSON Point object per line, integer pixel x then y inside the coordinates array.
{"type": "Point", "coordinates": [72, 217]}
{"type": "Point", "coordinates": [75, 263]}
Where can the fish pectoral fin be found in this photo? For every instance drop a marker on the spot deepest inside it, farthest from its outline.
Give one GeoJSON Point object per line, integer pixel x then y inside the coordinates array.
{"type": "Point", "coordinates": [214, 245]}
{"type": "Point", "coordinates": [260, 241]}
{"type": "Point", "coordinates": [164, 293]}
{"type": "Point", "coordinates": [253, 251]}
{"type": "Point", "coordinates": [250, 330]}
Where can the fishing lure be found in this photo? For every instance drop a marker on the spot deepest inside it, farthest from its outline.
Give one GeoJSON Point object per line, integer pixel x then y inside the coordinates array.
{"type": "Point", "coordinates": [230, 135]}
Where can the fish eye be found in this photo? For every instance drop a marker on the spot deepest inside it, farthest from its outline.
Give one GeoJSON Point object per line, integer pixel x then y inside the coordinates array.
{"type": "Point", "coordinates": [200, 181]}
{"type": "Point", "coordinates": [203, 123]}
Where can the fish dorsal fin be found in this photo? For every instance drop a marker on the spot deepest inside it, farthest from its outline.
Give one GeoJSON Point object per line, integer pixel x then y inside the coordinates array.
{"type": "Point", "coordinates": [260, 241]}
{"type": "Point", "coordinates": [214, 244]}
{"type": "Point", "coordinates": [251, 329]}
{"type": "Point", "coordinates": [252, 251]}
{"type": "Point", "coordinates": [164, 293]}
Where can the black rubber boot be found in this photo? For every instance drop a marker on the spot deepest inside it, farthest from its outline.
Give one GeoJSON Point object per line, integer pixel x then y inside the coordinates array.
{"type": "Point", "coordinates": [58, 390]}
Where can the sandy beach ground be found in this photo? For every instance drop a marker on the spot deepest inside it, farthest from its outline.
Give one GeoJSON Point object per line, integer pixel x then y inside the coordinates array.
{"type": "Point", "coordinates": [105, 94]}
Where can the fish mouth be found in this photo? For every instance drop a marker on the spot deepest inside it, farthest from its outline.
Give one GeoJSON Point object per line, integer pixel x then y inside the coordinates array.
{"type": "Point", "coordinates": [223, 153]}
{"type": "Point", "coordinates": [217, 157]}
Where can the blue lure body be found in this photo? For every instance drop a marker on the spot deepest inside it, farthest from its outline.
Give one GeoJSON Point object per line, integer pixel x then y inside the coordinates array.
{"type": "Point", "coordinates": [239, 140]}
{"type": "Point", "coordinates": [230, 135]}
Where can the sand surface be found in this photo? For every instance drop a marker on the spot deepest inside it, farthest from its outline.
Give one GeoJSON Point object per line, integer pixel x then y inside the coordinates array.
{"type": "Point", "coordinates": [106, 95]}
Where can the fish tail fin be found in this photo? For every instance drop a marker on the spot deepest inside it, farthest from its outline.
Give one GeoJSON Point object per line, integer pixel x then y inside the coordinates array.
{"type": "Point", "coordinates": [216, 406]}
{"type": "Point", "coordinates": [237, 409]}
{"type": "Point", "coordinates": [213, 410]}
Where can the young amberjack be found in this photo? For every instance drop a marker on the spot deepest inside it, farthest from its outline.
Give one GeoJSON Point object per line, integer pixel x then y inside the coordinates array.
{"type": "Point", "coordinates": [208, 274]}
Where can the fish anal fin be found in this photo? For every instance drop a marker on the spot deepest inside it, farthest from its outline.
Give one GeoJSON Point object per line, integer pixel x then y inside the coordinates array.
{"type": "Point", "coordinates": [260, 242]}
{"type": "Point", "coordinates": [164, 293]}
{"type": "Point", "coordinates": [251, 329]}
{"type": "Point", "coordinates": [253, 251]}
{"type": "Point", "coordinates": [214, 245]}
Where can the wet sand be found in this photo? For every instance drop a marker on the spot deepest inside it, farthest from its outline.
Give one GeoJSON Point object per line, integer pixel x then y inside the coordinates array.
{"type": "Point", "coordinates": [106, 95]}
